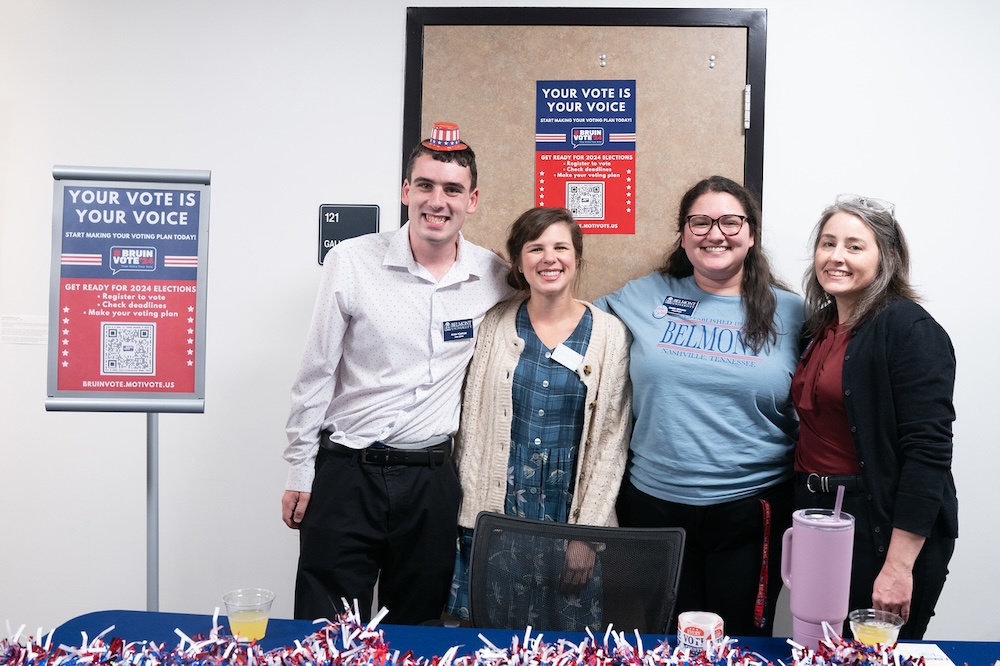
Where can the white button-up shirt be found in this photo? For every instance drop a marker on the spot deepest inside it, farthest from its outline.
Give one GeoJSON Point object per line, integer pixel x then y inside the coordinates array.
{"type": "Point", "coordinates": [378, 365]}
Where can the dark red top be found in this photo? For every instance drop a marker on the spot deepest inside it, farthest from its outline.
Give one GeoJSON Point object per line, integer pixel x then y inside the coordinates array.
{"type": "Point", "coordinates": [825, 442]}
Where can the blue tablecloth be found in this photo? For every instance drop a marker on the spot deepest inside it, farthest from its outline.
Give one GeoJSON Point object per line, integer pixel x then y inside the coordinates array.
{"type": "Point", "coordinates": [422, 641]}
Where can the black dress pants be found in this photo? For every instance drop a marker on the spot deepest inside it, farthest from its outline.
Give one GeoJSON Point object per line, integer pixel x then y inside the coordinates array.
{"type": "Point", "coordinates": [395, 524]}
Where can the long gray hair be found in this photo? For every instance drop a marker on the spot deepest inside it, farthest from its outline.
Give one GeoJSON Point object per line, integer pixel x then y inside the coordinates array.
{"type": "Point", "coordinates": [892, 279]}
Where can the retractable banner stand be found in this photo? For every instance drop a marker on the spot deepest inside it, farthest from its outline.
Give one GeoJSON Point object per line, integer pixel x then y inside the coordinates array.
{"type": "Point", "coordinates": [127, 304]}
{"type": "Point", "coordinates": [128, 290]}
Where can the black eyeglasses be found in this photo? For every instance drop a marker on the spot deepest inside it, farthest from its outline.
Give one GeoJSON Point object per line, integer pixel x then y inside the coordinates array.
{"type": "Point", "coordinates": [729, 225]}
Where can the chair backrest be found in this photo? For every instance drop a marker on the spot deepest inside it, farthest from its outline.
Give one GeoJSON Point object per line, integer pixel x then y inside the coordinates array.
{"type": "Point", "coordinates": [562, 577]}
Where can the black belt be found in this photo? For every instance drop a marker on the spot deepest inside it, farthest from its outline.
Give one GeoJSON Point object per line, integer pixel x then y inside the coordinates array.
{"type": "Point", "coordinates": [824, 484]}
{"type": "Point", "coordinates": [380, 454]}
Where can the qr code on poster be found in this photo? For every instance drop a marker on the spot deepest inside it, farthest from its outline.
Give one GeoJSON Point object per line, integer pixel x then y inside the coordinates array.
{"type": "Point", "coordinates": [128, 349]}
{"type": "Point", "coordinates": [585, 200]}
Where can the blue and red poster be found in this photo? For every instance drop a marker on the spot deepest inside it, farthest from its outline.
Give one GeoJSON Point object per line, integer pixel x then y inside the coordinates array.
{"type": "Point", "coordinates": [585, 152]}
{"type": "Point", "coordinates": [127, 320]}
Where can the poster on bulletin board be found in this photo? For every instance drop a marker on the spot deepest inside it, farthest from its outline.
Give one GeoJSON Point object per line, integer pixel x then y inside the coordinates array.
{"type": "Point", "coordinates": [585, 152]}
{"type": "Point", "coordinates": [128, 290]}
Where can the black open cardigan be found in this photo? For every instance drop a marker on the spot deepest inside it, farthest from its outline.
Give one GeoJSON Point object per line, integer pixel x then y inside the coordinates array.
{"type": "Point", "coordinates": [898, 382]}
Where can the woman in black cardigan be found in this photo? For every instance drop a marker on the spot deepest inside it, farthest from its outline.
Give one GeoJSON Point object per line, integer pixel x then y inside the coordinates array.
{"type": "Point", "coordinates": [874, 394]}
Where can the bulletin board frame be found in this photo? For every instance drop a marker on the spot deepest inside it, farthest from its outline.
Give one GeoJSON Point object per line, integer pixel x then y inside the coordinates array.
{"type": "Point", "coordinates": [694, 81]}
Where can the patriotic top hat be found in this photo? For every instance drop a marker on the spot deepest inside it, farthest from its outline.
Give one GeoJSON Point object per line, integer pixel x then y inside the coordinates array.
{"type": "Point", "coordinates": [444, 136]}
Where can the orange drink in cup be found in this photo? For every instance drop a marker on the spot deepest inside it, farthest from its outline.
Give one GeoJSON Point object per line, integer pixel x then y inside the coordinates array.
{"type": "Point", "coordinates": [875, 627]}
{"type": "Point", "coordinates": [248, 610]}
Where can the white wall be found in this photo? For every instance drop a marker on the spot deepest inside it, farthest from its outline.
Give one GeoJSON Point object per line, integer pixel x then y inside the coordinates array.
{"type": "Point", "coordinates": [295, 104]}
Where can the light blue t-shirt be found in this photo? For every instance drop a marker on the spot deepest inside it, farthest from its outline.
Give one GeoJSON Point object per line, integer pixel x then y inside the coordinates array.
{"type": "Point", "coordinates": [714, 421]}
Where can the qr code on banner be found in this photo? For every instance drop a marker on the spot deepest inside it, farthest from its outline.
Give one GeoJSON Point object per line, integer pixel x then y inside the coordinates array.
{"type": "Point", "coordinates": [585, 200]}
{"type": "Point", "coordinates": [128, 349]}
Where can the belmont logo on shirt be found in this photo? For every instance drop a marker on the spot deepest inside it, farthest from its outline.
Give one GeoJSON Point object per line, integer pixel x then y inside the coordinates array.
{"type": "Point", "coordinates": [713, 340]}
{"type": "Point", "coordinates": [459, 329]}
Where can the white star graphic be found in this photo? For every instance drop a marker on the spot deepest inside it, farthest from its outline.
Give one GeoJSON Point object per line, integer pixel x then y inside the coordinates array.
{"type": "Point", "coordinates": [190, 320]}
{"type": "Point", "coordinates": [190, 308]}
{"type": "Point", "coordinates": [65, 364]}
{"type": "Point", "coordinates": [66, 309]}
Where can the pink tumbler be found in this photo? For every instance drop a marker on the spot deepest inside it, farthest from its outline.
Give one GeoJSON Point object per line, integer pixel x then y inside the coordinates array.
{"type": "Point", "coordinates": [816, 566]}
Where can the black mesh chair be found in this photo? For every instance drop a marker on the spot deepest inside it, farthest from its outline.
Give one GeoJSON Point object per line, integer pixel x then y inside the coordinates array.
{"type": "Point", "coordinates": [561, 577]}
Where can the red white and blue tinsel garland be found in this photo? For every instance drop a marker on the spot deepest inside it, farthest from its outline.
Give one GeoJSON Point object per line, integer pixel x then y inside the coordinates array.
{"type": "Point", "coordinates": [347, 642]}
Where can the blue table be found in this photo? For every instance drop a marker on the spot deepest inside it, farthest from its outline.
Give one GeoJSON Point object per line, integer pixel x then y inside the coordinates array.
{"type": "Point", "coordinates": [422, 641]}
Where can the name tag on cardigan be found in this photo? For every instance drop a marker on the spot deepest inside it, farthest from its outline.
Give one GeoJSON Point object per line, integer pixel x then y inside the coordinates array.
{"type": "Point", "coordinates": [563, 355]}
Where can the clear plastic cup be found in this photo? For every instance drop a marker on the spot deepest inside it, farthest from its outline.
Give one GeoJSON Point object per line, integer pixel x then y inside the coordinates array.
{"type": "Point", "coordinates": [875, 627]}
{"type": "Point", "coordinates": [248, 610]}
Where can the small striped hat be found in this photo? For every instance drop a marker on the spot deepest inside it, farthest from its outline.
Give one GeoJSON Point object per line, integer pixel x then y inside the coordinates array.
{"type": "Point", "coordinates": [444, 136]}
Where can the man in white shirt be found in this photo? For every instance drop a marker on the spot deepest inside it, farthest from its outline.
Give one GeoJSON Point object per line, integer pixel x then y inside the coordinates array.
{"type": "Point", "coordinates": [372, 487]}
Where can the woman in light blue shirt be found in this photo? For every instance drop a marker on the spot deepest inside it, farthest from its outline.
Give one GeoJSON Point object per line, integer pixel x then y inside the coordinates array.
{"type": "Point", "coordinates": [715, 343]}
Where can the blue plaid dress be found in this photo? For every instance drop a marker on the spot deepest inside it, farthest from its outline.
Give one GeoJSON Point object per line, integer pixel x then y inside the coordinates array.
{"type": "Point", "coordinates": [547, 425]}
{"type": "Point", "coordinates": [546, 428]}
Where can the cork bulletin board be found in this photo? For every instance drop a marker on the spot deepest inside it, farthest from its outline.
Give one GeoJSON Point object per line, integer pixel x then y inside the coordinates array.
{"type": "Point", "coordinates": [479, 68]}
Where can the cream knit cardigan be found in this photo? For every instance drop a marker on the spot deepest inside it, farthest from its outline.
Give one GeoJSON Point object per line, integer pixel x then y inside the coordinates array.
{"type": "Point", "coordinates": [482, 445]}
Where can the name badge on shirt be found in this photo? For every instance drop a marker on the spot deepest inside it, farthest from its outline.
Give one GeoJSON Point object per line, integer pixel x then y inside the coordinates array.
{"type": "Point", "coordinates": [563, 355]}
{"type": "Point", "coordinates": [678, 306]}
{"type": "Point", "coordinates": [459, 329]}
